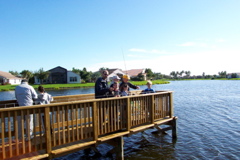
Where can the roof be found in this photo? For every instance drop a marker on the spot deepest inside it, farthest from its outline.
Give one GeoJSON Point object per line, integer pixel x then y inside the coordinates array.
{"type": "Point", "coordinates": [8, 75]}
{"type": "Point", "coordinates": [56, 68]}
{"type": "Point", "coordinates": [134, 72]}
{"type": "Point", "coordinates": [110, 71]}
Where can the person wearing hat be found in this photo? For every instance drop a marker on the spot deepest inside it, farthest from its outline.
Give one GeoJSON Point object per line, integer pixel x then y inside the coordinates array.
{"type": "Point", "coordinates": [115, 86]}
{"type": "Point", "coordinates": [125, 80]}
{"type": "Point", "coordinates": [101, 86]}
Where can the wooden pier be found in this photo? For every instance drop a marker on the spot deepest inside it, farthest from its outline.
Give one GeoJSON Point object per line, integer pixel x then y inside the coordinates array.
{"type": "Point", "coordinates": [77, 122]}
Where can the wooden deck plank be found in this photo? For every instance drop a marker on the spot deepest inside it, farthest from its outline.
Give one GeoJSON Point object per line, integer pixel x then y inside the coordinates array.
{"type": "Point", "coordinates": [73, 147]}
{"type": "Point", "coordinates": [162, 121]}
{"type": "Point", "coordinates": [114, 135]}
{"type": "Point", "coordinates": [36, 157]}
{"type": "Point", "coordinates": [137, 129]}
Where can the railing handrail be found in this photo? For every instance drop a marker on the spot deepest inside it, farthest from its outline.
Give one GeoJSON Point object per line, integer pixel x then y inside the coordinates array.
{"type": "Point", "coordinates": [79, 101]}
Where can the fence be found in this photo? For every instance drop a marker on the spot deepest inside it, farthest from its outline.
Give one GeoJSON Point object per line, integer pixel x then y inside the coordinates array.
{"type": "Point", "coordinates": [74, 120]}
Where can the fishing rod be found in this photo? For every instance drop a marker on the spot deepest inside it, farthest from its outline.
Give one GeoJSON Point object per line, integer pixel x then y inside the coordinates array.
{"type": "Point", "coordinates": [124, 61]}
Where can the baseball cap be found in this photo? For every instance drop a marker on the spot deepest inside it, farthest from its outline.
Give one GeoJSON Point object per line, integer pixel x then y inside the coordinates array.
{"type": "Point", "coordinates": [115, 77]}
{"type": "Point", "coordinates": [126, 76]}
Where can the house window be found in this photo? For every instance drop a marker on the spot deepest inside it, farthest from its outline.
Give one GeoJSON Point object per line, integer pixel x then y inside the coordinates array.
{"type": "Point", "coordinates": [73, 79]}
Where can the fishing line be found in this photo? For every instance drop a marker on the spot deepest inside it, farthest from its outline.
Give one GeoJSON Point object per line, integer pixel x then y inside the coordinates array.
{"type": "Point", "coordinates": [124, 61]}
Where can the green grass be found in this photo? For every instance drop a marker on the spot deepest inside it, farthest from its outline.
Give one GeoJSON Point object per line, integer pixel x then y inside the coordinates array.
{"type": "Point", "coordinates": [78, 85]}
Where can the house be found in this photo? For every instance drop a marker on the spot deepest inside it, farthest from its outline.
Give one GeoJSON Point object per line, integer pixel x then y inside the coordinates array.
{"type": "Point", "coordinates": [115, 72]}
{"type": "Point", "coordinates": [132, 73]}
{"type": "Point", "coordinates": [8, 78]}
{"type": "Point", "coordinates": [233, 75]}
{"type": "Point", "coordinates": [135, 72]}
{"type": "Point", "coordinates": [60, 75]}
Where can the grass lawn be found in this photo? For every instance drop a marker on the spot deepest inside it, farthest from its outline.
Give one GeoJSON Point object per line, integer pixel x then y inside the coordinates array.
{"type": "Point", "coordinates": [78, 85]}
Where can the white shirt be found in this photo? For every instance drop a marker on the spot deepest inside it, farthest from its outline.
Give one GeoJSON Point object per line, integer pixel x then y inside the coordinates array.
{"type": "Point", "coordinates": [25, 94]}
{"type": "Point", "coordinates": [44, 98]}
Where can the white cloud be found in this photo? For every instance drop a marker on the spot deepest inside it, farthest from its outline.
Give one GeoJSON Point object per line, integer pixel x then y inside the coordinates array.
{"type": "Point", "coordinates": [210, 62]}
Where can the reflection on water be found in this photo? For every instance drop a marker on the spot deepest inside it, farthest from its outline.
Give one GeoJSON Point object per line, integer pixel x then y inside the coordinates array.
{"type": "Point", "coordinates": [208, 124]}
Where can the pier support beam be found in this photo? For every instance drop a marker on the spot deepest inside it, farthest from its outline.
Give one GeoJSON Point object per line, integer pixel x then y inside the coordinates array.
{"type": "Point", "coordinates": [174, 128]}
{"type": "Point", "coordinates": [119, 148]}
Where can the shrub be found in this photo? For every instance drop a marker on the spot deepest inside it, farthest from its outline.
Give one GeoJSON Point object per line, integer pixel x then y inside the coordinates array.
{"type": "Point", "coordinates": [83, 81]}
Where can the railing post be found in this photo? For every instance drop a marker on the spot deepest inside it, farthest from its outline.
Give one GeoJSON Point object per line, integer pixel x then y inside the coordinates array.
{"type": "Point", "coordinates": [95, 121]}
{"type": "Point", "coordinates": [171, 104]}
{"type": "Point", "coordinates": [128, 110]}
{"type": "Point", "coordinates": [152, 109]}
{"type": "Point", "coordinates": [48, 131]}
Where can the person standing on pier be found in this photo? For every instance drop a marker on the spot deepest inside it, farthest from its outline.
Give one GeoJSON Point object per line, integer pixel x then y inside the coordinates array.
{"type": "Point", "coordinates": [125, 80]}
{"type": "Point", "coordinates": [101, 86]}
{"type": "Point", "coordinates": [25, 95]}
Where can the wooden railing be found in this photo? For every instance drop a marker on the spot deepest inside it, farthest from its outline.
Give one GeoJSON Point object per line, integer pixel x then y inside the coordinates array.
{"type": "Point", "coordinates": [59, 124]}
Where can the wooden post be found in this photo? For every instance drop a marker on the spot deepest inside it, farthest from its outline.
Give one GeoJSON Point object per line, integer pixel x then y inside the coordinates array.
{"type": "Point", "coordinates": [95, 120]}
{"type": "Point", "coordinates": [152, 109]}
{"type": "Point", "coordinates": [48, 132]}
{"type": "Point", "coordinates": [128, 113]}
{"type": "Point", "coordinates": [174, 128]}
{"type": "Point", "coordinates": [119, 148]}
{"type": "Point", "coordinates": [171, 104]}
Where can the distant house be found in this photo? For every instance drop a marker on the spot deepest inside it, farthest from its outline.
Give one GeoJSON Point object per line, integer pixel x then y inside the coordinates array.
{"type": "Point", "coordinates": [60, 75]}
{"type": "Point", "coordinates": [6, 77]}
{"type": "Point", "coordinates": [132, 73]}
{"type": "Point", "coordinates": [135, 72]}
{"type": "Point", "coordinates": [115, 72]}
{"type": "Point", "coordinates": [233, 75]}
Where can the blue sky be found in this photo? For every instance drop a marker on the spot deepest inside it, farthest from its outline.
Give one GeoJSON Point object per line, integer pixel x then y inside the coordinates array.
{"type": "Point", "coordinates": [193, 35]}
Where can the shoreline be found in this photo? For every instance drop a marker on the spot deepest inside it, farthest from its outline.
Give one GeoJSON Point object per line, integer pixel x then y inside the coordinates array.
{"type": "Point", "coordinates": [77, 85]}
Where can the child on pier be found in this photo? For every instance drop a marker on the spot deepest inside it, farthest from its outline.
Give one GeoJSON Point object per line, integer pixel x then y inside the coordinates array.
{"type": "Point", "coordinates": [43, 97]}
{"type": "Point", "coordinates": [115, 86]}
{"type": "Point", "coordinates": [149, 88]}
{"type": "Point", "coordinates": [125, 91]}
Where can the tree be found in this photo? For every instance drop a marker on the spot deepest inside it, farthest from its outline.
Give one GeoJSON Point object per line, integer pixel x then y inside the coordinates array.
{"type": "Point", "coordinates": [188, 73]}
{"type": "Point", "coordinates": [26, 74]}
{"type": "Point", "coordinates": [203, 74]}
{"type": "Point", "coordinates": [140, 77]}
{"type": "Point", "coordinates": [41, 74]}
{"type": "Point", "coordinates": [158, 75]}
{"type": "Point", "coordinates": [234, 75]}
{"type": "Point", "coordinates": [75, 70]}
{"type": "Point", "coordinates": [149, 73]}
{"type": "Point", "coordinates": [173, 74]}
{"type": "Point", "coordinates": [85, 75]}
{"type": "Point", "coordinates": [222, 74]}
{"type": "Point", "coordinates": [15, 73]}
{"type": "Point", "coordinates": [95, 76]}
{"type": "Point", "coordinates": [103, 68]}
{"type": "Point", "coordinates": [181, 73]}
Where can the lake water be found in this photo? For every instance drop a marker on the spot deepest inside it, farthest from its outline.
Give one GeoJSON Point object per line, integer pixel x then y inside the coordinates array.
{"type": "Point", "coordinates": [208, 124]}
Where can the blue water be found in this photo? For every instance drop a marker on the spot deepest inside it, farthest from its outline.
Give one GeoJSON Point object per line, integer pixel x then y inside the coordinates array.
{"type": "Point", "coordinates": [208, 124]}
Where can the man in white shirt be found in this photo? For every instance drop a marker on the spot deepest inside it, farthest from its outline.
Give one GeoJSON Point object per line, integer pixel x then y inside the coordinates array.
{"type": "Point", "coordinates": [25, 95]}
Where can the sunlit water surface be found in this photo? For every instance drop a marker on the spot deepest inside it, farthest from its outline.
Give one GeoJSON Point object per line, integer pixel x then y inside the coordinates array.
{"type": "Point", "coordinates": [208, 124]}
